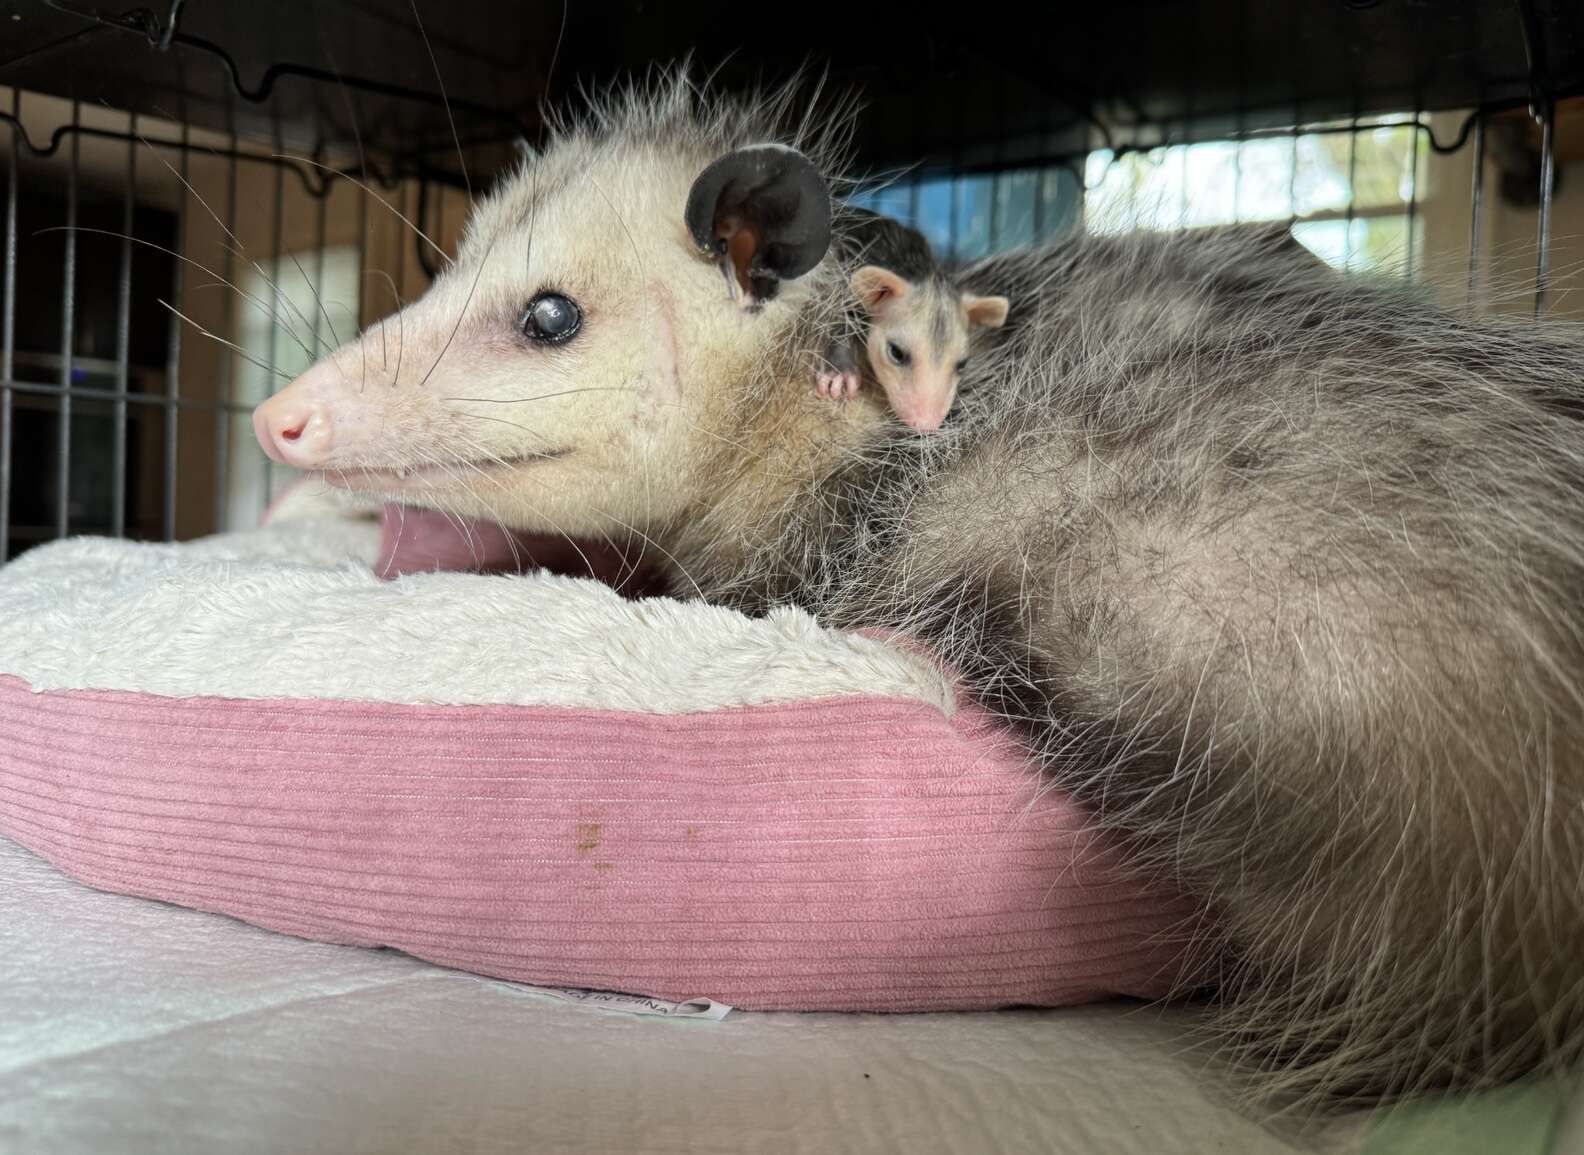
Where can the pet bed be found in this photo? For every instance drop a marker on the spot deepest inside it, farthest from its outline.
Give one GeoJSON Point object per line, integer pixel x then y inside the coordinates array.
{"type": "Point", "coordinates": [322, 797]}
{"type": "Point", "coordinates": [535, 779]}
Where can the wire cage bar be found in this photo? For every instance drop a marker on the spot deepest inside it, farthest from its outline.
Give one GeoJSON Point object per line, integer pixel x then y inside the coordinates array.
{"type": "Point", "coordinates": [280, 246]}
{"type": "Point", "coordinates": [68, 334]}
{"type": "Point", "coordinates": [123, 341]}
{"type": "Point", "coordinates": [1546, 115]}
{"type": "Point", "coordinates": [8, 331]}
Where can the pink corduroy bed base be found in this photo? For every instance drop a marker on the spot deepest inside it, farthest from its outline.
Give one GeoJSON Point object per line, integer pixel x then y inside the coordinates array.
{"type": "Point", "coordinates": [858, 853]}
{"type": "Point", "coordinates": [841, 855]}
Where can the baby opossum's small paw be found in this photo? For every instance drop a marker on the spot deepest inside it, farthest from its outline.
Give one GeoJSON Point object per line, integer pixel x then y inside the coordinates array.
{"type": "Point", "coordinates": [837, 386]}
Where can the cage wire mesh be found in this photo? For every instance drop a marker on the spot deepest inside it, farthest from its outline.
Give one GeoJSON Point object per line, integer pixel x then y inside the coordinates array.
{"type": "Point", "coordinates": [162, 278]}
{"type": "Point", "coordinates": [160, 281]}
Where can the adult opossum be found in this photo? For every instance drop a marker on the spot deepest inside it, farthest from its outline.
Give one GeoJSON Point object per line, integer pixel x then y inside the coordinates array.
{"type": "Point", "coordinates": [1280, 572]}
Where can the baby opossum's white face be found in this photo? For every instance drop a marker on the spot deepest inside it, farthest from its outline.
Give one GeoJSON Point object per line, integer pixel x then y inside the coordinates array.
{"type": "Point", "coordinates": [918, 340]}
{"type": "Point", "coordinates": [555, 377]}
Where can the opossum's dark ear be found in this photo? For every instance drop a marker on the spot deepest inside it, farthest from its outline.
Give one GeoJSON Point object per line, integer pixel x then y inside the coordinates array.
{"type": "Point", "coordinates": [877, 289]}
{"type": "Point", "coordinates": [990, 312]}
{"type": "Point", "coordinates": [763, 212]}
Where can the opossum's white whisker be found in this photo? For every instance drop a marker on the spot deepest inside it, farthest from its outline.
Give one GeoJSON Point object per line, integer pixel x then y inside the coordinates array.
{"type": "Point", "coordinates": [698, 591]}
{"type": "Point", "coordinates": [511, 544]}
{"type": "Point", "coordinates": [473, 464]}
{"type": "Point", "coordinates": [344, 175]}
{"type": "Point", "coordinates": [540, 515]}
{"type": "Point", "coordinates": [194, 193]}
{"type": "Point", "coordinates": [401, 343]}
{"type": "Point", "coordinates": [243, 353]}
{"type": "Point", "coordinates": [533, 218]}
{"type": "Point", "coordinates": [555, 53]}
{"type": "Point", "coordinates": [456, 522]}
{"type": "Point", "coordinates": [281, 317]}
{"type": "Point", "coordinates": [445, 466]}
{"type": "Point", "coordinates": [235, 245]}
{"type": "Point", "coordinates": [498, 421]}
{"type": "Point", "coordinates": [541, 396]}
{"type": "Point", "coordinates": [328, 44]}
{"type": "Point", "coordinates": [357, 139]}
{"type": "Point", "coordinates": [446, 100]}
{"type": "Point", "coordinates": [313, 288]}
{"type": "Point", "coordinates": [260, 305]}
{"type": "Point", "coordinates": [461, 315]}
{"type": "Point", "coordinates": [622, 221]}
{"type": "Point", "coordinates": [480, 451]}
{"type": "Point", "coordinates": [400, 325]}
{"type": "Point", "coordinates": [385, 352]}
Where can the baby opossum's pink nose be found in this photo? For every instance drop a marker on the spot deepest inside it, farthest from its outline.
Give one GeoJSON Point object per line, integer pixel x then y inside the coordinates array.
{"type": "Point", "coordinates": [924, 416]}
{"type": "Point", "coordinates": [294, 428]}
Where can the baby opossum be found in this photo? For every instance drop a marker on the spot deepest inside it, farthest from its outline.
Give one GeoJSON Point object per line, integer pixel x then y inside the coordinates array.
{"type": "Point", "coordinates": [1279, 571]}
{"type": "Point", "coordinates": [917, 323]}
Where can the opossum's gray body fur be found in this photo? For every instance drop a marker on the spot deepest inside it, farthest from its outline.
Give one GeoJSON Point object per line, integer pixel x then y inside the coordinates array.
{"type": "Point", "coordinates": [1281, 573]}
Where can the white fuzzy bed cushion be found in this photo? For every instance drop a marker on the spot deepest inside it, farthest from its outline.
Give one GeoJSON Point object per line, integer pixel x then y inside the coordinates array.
{"type": "Point", "coordinates": [303, 616]}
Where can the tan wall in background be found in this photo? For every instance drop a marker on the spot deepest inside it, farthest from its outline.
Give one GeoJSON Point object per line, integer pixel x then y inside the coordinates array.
{"type": "Point", "coordinates": [206, 367]}
{"type": "Point", "coordinates": [1509, 233]}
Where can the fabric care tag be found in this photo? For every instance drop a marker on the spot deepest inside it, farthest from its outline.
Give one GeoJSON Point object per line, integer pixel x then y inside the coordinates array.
{"type": "Point", "coordinates": [707, 1009]}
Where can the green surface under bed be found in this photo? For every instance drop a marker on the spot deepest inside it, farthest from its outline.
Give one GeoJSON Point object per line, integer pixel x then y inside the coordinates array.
{"type": "Point", "coordinates": [1521, 1120]}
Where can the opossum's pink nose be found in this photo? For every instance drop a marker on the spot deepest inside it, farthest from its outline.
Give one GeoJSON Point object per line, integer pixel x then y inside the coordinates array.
{"type": "Point", "coordinates": [923, 402]}
{"type": "Point", "coordinates": [924, 415]}
{"type": "Point", "coordinates": [294, 427]}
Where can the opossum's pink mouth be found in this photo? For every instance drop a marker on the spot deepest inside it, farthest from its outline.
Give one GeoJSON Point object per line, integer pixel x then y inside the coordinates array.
{"type": "Point", "coordinates": [444, 475]}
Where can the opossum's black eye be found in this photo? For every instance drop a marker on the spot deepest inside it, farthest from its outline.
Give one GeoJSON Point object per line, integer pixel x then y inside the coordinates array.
{"type": "Point", "coordinates": [963, 364]}
{"type": "Point", "coordinates": [551, 319]}
{"type": "Point", "coordinates": [896, 354]}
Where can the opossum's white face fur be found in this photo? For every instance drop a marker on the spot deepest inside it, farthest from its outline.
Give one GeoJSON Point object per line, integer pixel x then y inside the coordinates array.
{"type": "Point", "coordinates": [571, 368]}
{"type": "Point", "coordinates": [918, 339]}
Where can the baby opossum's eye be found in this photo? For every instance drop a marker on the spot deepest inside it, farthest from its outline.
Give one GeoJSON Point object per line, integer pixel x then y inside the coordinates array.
{"type": "Point", "coordinates": [551, 319]}
{"type": "Point", "coordinates": [896, 354]}
{"type": "Point", "coordinates": [963, 364]}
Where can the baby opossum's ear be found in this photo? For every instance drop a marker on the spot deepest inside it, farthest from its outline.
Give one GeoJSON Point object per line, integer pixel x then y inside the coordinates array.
{"type": "Point", "coordinates": [877, 289]}
{"type": "Point", "coordinates": [763, 212]}
{"type": "Point", "coordinates": [990, 312]}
